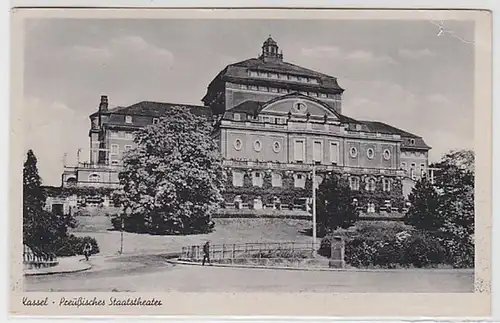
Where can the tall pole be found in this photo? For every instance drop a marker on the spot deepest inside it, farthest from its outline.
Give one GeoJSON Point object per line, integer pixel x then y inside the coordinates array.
{"type": "Point", "coordinates": [314, 208]}
{"type": "Point", "coordinates": [121, 237]}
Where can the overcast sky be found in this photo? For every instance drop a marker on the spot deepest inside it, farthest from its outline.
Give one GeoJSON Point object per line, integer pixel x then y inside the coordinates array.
{"type": "Point", "coordinates": [398, 72]}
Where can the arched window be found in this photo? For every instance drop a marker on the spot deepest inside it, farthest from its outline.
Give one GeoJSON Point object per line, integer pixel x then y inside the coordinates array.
{"type": "Point", "coordinates": [94, 178]}
{"type": "Point", "coordinates": [386, 184]}
{"type": "Point", "coordinates": [371, 184]}
{"type": "Point", "coordinates": [354, 183]}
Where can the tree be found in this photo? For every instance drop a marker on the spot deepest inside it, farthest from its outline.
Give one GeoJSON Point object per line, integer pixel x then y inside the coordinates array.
{"type": "Point", "coordinates": [42, 231]}
{"type": "Point", "coordinates": [446, 207]}
{"type": "Point", "coordinates": [335, 207]}
{"type": "Point", "coordinates": [172, 181]}
{"type": "Point", "coordinates": [423, 212]}
{"type": "Point", "coordinates": [455, 179]}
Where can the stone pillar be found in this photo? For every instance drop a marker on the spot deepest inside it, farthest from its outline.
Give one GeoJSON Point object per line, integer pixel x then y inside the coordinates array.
{"type": "Point", "coordinates": [337, 253]}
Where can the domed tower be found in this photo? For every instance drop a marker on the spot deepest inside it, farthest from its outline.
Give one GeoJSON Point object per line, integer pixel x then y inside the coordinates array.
{"type": "Point", "coordinates": [270, 51]}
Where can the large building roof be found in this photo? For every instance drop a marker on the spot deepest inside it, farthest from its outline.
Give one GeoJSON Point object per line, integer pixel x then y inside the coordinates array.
{"type": "Point", "coordinates": [410, 140]}
{"type": "Point", "coordinates": [271, 61]}
{"type": "Point", "coordinates": [157, 109]}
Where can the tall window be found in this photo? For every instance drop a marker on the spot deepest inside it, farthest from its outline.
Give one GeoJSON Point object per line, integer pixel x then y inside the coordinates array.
{"type": "Point", "coordinates": [115, 149]}
{"type": "Point", "coordinates": [237, 178]}
{"type": "Point", "coordinates": [276, 180]}
{"type": "Point", "coordinates": [318, 152]}
{"type": "Point", "coordinates": [354, 183]}
{"type": "Point", "coordinates": [386, 185]}
{"type": "Point", "coordinates": [156, 120]}
{"type": "Point", "coordinates": [299, 150]}
{"type": "Point", "coordinates": [128, 119]}
{"type": "Point", "coordinates": [300, 181]}
{"type": "Point", "coordinates": [334, 153]}
{"type": "Point", "coordinates": [371, 184]}
{"type": "Point", "coordinates": [257, 179]}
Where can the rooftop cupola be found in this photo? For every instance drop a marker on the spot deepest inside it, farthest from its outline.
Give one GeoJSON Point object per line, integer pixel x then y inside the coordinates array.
{"type": "Point", "coordinates": [270, 50]}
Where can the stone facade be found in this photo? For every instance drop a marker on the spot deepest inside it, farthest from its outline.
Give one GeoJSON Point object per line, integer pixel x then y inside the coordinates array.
{"type": "Point", "coordinates": [273, 122]}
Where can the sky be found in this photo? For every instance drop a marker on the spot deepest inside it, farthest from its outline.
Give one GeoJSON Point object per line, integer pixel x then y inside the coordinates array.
{"type": "Point", "coordinates": [398, 72]}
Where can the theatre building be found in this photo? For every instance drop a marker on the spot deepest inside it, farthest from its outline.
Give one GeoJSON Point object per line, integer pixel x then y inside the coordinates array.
{"type": "Point", "coordinates": [273, 122]}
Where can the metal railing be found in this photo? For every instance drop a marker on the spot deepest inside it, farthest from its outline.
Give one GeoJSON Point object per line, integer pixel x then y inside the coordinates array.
{"type": "Point", "coordinates": [238, 251]}
{"type": "Point", "coordinates": [38, 259]}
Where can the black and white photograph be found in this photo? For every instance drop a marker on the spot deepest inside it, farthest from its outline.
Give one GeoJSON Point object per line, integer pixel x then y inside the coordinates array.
{"type": "Point", "coordinates": [321, 154]}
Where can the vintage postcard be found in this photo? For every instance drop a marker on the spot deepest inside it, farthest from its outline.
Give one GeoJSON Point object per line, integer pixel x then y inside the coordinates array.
{"type": "Point", "coordinates": [251, 162]}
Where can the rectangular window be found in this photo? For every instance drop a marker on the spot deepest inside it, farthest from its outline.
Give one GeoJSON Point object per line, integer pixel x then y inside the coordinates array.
{"type": "Point", "coordinates": [113, 134]}
{"type": "Point", "coordinates": [253, 87]}
{"type": "Point", "coordinates": [114, 149]}
{"type": "Point", "coordinates": [354, 183]}
{"type": "Point", "coordinates": [386, 185]}
{"type": "Point", "coordinates": [237, 178]}
{"type": "Point", "coordinates": [237, 117]}
{"type": "Point", "coordinates": [276, 180]}
{"type": "Point", "coordinates": [244, 86]}
{"type": "Point", "coordinates": [274, 90]}
{"type": "Point", "coordinates": [300, 181]}
{"type": "Point", "coordinates": [129, 135]}
{"type": "Point", "coordinates": [299, 78]}
{"type": "Point", "coordinates": [128, 147]}
{"type": "Point", "coordinates": [156, 120]}
{"type": "Point", "coordinates": [282, 90]}
{"type": "Point", "coordinates": [334, 153]}
{"type": "Point", "coordinates": [317, 151]}
{"type": "Point", "coordinates": [253, 74]}
{"type": "Point", "coordinates": [299, 150]}
{"type": "Point", "coordinates": [128, 119]}
{"type": "Point", "coordinates": [323, 95]}
{"type": "Point", "coordinates": [263, 88]}
{"type": "Point", "coordinates": [257, 179]}
{"type": "Point", "coordinates": [114, 162]}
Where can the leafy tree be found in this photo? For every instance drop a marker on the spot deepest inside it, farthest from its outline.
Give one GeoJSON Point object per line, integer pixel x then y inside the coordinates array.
{"type": "Point", "coordinates": [42, 230]}
{"type": "Point", "coordinates": [334, 204]}
{"type": "Point", "coordinates": [423, 212]}
{"type": "Point", "coordinates": [172, 181]}
{"type": "Point", "coordinates": [446, 207]}
{"type": "Point", "coordinates": [455, 179]}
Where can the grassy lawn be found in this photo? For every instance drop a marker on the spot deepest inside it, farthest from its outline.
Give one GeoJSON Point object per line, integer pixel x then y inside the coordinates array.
{"type": "Point", "coordinates": [226, 231]}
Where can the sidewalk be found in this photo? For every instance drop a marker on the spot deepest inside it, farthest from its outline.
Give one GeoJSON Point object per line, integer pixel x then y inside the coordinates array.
{"type": "Point", "coordinates": [66, 265]}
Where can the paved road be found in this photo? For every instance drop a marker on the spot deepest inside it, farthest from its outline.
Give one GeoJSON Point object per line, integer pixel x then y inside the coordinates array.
{"type": "Point", "coordinates": [153, 274]}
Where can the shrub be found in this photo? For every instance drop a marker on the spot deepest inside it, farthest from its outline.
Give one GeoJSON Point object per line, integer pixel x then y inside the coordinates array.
{"type": "Point", "coordinates": [388, 246]}
{"type": "Point", "coordinates": [73, 245]}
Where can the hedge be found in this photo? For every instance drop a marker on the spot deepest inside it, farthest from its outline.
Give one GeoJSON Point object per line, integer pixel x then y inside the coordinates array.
{"type": "Point", "coordinates": [388, 246]}
{"type": "Point", "coordinates": [73, 245]}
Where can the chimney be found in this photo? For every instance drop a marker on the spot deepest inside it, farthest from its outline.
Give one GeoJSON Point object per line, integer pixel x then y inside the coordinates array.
{"type": "Point", "coordinates": [103, 106]}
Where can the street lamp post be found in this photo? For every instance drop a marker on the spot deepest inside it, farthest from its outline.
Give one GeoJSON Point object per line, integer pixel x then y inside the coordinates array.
{"type": "Point", "coordinates": [314, 209]}
{"type": "Point", "coordinates": [122, 225]}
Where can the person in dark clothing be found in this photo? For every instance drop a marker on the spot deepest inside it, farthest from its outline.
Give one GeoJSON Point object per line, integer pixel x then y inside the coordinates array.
{"type": "Point", "coordinates": [87, 251]}
{"type": "Point", "coordinates": [206, 253]}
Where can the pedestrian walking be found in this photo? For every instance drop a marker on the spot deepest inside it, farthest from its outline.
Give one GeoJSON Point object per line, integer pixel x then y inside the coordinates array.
{"type": "Point", "coordinates": [87, 250]}
{"type": "Point", "coordinates": [206, 253]}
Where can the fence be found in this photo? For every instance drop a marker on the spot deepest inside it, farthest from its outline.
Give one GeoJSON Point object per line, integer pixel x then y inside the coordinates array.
{"type": "Point", "coordinates": [267, 250]}
{"type": "Point", "coordinates": [38, 259]}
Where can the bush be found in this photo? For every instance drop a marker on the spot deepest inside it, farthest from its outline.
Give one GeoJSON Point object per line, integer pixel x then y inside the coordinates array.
{"type": "Point", "coordinates": [388, 246]}
{"type": "Point", "coordinates": [73, 245]}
